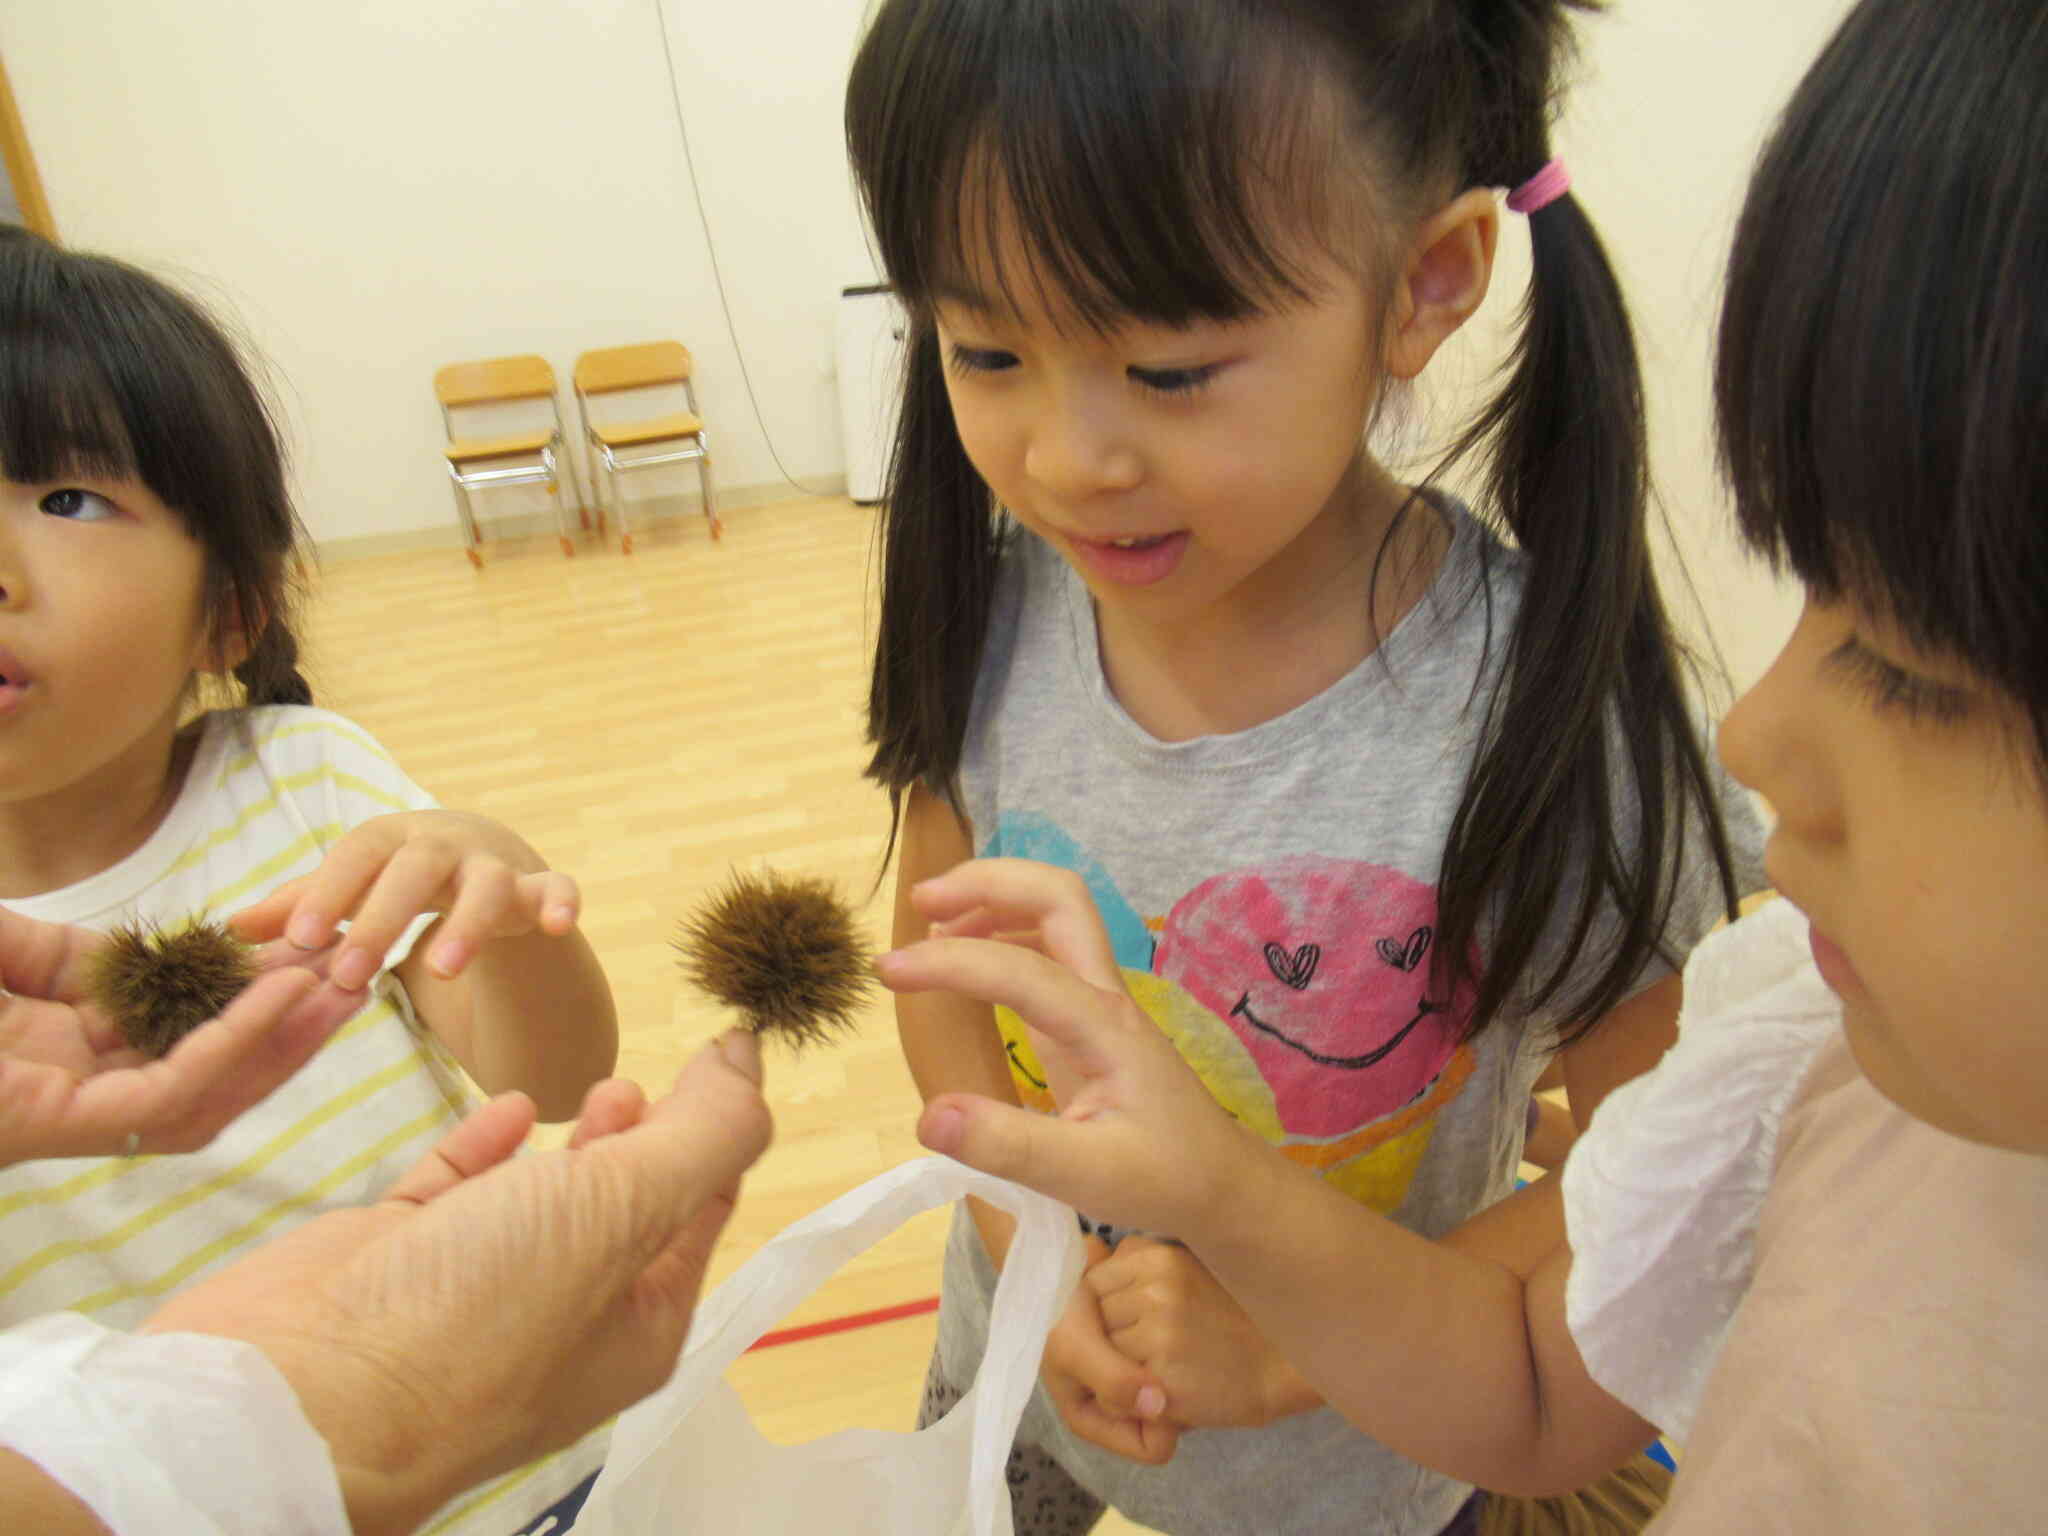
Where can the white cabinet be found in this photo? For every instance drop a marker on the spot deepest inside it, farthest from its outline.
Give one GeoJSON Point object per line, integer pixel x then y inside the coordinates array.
{"type": "Point", "coordinates": [871, 351]}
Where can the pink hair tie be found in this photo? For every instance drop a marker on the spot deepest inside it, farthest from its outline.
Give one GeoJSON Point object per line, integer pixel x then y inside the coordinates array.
{"type": "Point", "coordinates": [1542, 189]}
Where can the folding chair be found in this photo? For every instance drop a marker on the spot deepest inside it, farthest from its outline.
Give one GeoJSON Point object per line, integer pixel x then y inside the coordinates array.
{"type": "Point", "coordinates": [620, 446]}
{"type": "Point", "coordinates": [534, 457]}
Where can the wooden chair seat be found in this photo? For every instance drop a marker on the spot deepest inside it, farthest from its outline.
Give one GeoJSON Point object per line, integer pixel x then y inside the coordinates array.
{"type": "Point", "coordinates": [477, 463]}
{"type": "Point", "coordinates": [465, 449]}
{"type": "Point", "coordinates": [647, 365]}
{"type": "Point", "coordinates": [624, 434]}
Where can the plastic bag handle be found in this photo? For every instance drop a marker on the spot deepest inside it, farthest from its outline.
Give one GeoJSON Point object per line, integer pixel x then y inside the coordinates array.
{"type": "Point", "coordinates": [1043, 1262]}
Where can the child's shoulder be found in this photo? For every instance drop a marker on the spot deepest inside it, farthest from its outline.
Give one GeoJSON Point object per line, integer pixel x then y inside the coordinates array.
{"type": "Point", "coordinates": [1664, 1192]}
{"type": "Point", "coordinates": [1755, 1015]}
{"type": "Point", "coordinates": [292, 737]}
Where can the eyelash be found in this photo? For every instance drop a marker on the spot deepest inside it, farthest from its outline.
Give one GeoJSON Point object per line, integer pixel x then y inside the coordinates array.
{"type": "Point", "coordinates": [1892, 687]}
{"type": "Point", "coordinates": [1160, 381]}
{"type": "Point", "coordinates": [978, 359]}
{"type": "Point", "coordinates": [1173, 381]}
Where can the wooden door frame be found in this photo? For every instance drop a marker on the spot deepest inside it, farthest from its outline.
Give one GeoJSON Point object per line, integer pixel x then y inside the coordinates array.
{"type": "Point", "coordinates": [21, 165]}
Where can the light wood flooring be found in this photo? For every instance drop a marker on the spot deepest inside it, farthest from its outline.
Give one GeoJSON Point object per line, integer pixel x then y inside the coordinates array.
{"type": "Point", "coordinates": [650, 722]}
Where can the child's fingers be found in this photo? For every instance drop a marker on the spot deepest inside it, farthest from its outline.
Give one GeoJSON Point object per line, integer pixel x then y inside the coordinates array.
{"type": "Point", "coordinates": [1083, 1022]}
{"type": "Point", "coordinates": [975, 923]}
{"type": "Point", "coordinates": [1024, 894]}
{"type": "Point", "coordinates": [338, 887]}
{"type": "Point", "coordinates": [982, 924]}
{"type": "Point", "coordinates": [493, 902]}
{"type": "Point", "coordinates": [279, 954]}
{"type": "Point", "coordinates": [1088, 1414]}
{"type": "Point", "coordinates": [411, 881]}
{"type": "Point", "coordinates": [486, 891]}
{"type": "Point", "coordinates": [1053, 1156]}
{"type": "Point", "coordinates": [611, 1106]}
{"type": "Point", "coordinates": [553, 899]}
{"type": "Point", "coordinates": [265, 920]}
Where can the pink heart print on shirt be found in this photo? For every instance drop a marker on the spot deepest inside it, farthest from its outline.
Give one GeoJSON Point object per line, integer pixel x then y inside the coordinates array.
{"type": "Point", "coordinates": [1322, 968]}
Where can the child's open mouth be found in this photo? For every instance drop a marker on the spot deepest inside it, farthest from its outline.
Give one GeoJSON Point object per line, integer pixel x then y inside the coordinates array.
{"type": "Point", "coordinates": [13, 682]}
{"type": "Point", "coordinates": [1136, 561]}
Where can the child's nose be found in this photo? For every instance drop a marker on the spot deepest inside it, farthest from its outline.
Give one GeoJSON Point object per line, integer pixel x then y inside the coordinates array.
{"type": "Point", "coordinates": [1773, 741]}
{"type": "Point", "coordinates": [1078, 448]}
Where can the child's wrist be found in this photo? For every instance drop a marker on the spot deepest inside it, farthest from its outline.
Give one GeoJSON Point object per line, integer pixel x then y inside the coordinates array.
{"type": "Point", "coordinates": [1230, 1186]}
{"type": "Point", "coordinates": [1286, 1391]}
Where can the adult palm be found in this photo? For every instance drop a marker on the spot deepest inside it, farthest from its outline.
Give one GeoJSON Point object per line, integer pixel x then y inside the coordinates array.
{"type": "Point", "coordinates": [71, 1086]}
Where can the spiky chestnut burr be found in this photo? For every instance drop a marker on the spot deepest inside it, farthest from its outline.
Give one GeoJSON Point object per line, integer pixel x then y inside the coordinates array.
{"type": "Point", "coordinates": [158, 984]}
{"type": "Point", "coordinates": [784, 950]}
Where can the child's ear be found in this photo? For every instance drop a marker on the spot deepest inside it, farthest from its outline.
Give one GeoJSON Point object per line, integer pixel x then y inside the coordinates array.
{"type": "Point", "coordinates": [1448, 268]}
{"type": "Point", "coordinates": [227, 644]}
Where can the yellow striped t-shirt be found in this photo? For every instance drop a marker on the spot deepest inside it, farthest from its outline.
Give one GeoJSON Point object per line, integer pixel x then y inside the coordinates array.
{"type": "Point", "coordinates": [268, 791]}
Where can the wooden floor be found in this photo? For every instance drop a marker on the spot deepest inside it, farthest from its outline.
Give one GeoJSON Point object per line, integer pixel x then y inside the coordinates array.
{"type": "Point", "coordinates": [650, 722]}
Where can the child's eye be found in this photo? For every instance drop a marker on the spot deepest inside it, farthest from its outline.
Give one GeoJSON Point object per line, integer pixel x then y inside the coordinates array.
{"type": "Point", "coordinates": [80, 506]}
{"type": "Point", "coordinates": [1890, 686]}
{"type": "Point", "coordinates": [1174, 381]}
{"type": "Point", "coordinates": [980, 359]}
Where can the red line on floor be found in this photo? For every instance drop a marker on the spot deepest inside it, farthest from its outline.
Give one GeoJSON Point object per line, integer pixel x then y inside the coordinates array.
{"type": "Point", "coordinates": [845, 1324]}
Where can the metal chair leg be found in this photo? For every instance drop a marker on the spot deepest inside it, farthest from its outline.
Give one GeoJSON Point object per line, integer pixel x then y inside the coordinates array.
{"type": "Point", "coordinates": [617, 498]}
{"type": "Point", "coordinates": [704, 480]}
{"type": "Point", "coordinates": [465, 518]}
{"type": "Point", "coordinates": [553, 463]}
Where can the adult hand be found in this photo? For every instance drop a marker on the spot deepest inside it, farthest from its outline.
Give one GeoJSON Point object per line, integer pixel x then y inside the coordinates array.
{"type": "Point", "coordinates": [1104, 1397]}
{"type": "Point", "coordinates": [490, 1308]}
{"type": "Point", "coordinates": [1138, 1141]}
{"type": "Point", "coordinates": [71, 1086]}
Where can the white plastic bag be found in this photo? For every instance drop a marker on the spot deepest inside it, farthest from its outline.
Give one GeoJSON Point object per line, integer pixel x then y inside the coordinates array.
{"type": "Point", "coordinates": [688, 1460]}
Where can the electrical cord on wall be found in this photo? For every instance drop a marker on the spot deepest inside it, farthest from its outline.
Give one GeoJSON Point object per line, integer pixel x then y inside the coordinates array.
{"type": "Point", "coordinates": [717, 274]}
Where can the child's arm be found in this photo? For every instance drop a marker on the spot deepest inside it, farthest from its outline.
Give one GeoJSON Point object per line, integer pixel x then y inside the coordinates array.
{"type": "Point", "coordinates": [952, 1045]}
{"type": "Point", "coordinates": [503, 977]}
{"type": "Point", "coordinates": [1167, 1312]}
{"type": "Point", "coordinates": [1454, 1353]}
{"type": "Point", "coordinates": [1627, 1042]}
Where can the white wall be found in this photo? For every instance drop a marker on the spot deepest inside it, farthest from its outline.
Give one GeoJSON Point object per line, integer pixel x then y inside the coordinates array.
{"type": "Point", "coordinates": [1671, 101]}
{"type": "Point", "coordinates": [383, 186]}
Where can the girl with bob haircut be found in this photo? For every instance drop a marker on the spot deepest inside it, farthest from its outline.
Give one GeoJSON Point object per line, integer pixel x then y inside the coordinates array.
{"type": "Point", "coordinates": [1809, 1243]}
{"type": "Point", "coordinates": [147, 542]}
{"type": "Point", "coordinates": [1383, 800]}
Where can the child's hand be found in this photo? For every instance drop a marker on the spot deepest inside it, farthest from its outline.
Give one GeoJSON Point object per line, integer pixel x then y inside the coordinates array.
{"type": "Point", "coordinates": [1138, 1140]}
{"type": "Point", "coordinates": [1167, 1313]}
{"type": "Point", "coordinates": [486, 883]}
{"type": "Point", "coordinates": [1104, 1398]}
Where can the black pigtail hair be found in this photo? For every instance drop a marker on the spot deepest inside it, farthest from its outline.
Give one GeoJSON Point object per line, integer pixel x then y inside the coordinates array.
{"type": "Point", "coordinates": [1590, 731]}
{"type": "Point", "coordinates": [270, 674]}
{"type": "Point", "coordinates": [941, 540]}
{"type": "Point", "coordinates": [1591, 724]}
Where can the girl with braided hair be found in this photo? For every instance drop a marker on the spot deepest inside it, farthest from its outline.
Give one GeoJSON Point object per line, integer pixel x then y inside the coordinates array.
{"type": "Point", "coordinates": [147, 544]}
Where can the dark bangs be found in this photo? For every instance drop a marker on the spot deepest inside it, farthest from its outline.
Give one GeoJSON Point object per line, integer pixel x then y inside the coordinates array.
{"type": "Point", "coordinates": [1882, 378]}
{"type": "Point", "coordinates": [1137, 148]}
{"type": "Point", "coordinates": [59, 412]}
{"type": "Point", "coordinates": [103, 370]}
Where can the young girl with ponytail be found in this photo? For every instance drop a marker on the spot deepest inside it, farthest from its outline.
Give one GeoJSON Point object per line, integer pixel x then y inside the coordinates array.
{"type": "Point", "coordinates": [146, 543]}
{"type": "Point", "coordinates": [1383, 800]}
